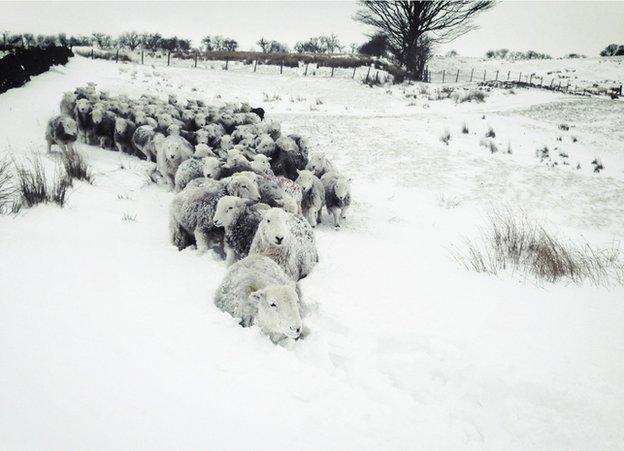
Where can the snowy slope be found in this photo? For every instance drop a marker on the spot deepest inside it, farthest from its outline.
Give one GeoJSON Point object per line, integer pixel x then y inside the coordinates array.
{"type": "Point", "coordinates": [110, 340]}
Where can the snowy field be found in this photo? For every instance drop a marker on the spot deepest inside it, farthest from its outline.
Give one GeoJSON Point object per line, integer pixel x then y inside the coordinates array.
{"type": "Point", "coordinates": [109, 338]}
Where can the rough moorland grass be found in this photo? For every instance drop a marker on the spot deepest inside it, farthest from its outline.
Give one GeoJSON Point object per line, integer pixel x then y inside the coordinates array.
{"type": "Point", "coordinates": [76, 167]}
{"type": "Point", "coordinates": [33, 186]}
{"type": "Point", "coordinates": [513, 242]}
{"type": "Point", "coordinates": [7, 187]}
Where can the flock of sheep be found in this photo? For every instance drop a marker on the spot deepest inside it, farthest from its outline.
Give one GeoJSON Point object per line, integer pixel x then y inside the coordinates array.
{"type": "Point", "coordinates": [242, 189]}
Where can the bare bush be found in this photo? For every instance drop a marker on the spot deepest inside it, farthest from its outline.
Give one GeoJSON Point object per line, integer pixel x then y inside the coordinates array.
{"type": "Point", "coordinates": [34, 188]}
{"type": "Point", "coordinates": [513, 242]}
{"type": "Point", "coordinates": [490, 133]}
{"type": "Point", "coordinates": [445, 137]}
{"type": "Point", "coordinates": [464, 129]}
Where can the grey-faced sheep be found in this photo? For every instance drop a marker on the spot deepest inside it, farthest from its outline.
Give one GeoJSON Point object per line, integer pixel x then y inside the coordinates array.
{"type": "Point", "coordinates": [240, 219]}
{"type": "Point", "coordinates": [104, 127]}
{"type": "Point", "coordinates": [288, 239]}
{"type": "Point", "coordinates": [337, 195]}
{"type": "Point", "coordinates": [312, 196]}
{"type": "Point", "coordinates": [124, 131]}
{"type": "Point", "coordinates": [170, 153]}
{"type": "Point", "coordinates": [193, 209]}
{"type": "Point", "coordinates": [62, 131]}
{"type": "Point", "coordinates": [256, 291]}
{"type": "Point", "coordinates": [319, 164]}
{"type": "Point", "coordinates": [84, 121]}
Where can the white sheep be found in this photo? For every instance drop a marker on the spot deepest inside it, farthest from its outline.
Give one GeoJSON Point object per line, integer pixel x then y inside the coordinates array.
{"type": "Point", "coordinates": [62, 131]}
{"type": "Point", "coordinates": [260, 164]}
{"type": "Point", "coordinates": [337, 195]}
{"type": "Point", "coordinates": [256, 291]}
{"type": "Point", "coordinates": [170, 153]}
{"type": "Point", "coordinates": [239, 219]}
{"type": "Point", "coordinates": [288, 239]}
{"type": "Point", "coordinates": [312, 197]}
{"type": "Point", "coordinates": [319, 164]}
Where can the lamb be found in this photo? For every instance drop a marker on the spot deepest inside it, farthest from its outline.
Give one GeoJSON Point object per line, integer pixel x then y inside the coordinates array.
{"type": "Point", "coordinates": [62, 131]}
{"type": "Point", "coordinates": [288, 158]}
{"type": "Point", "coordinates": [144, 140]}
{"type": "Point", "coordinates": [104, 127]}
{"type": "Point", "coordinates": [288, 239]}
{"type": "Point", "coordinates": [313, 196]}
{"type": "Point", "coordinates": [256, 291]}
{"type": "Point", "coordinates": [239, 219]}
{"type": "Point", "coordinates": [193, 209]}
{"type": "Point", "coordinates": [68, 104]}
{"type": "Point", "coordinates": [319, 164]}
{"type": "Point", "coordinates": [84, 121]}
{"type": "Point", "coordinates": [337, 195]}
{"type": "Point", "coordinates": [124, 131]}
{"type": "Point", "coordinates": [170, 153]}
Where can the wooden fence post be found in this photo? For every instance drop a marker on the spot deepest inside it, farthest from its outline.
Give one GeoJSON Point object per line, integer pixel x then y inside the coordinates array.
{"type": "Point", "coordinates": [91, 53]}
{"type": "Point", "coordinates": [457, 76]}
{"type": "Point", "coordinates": [620, 89]}
{"type": "Point", "coordinates": [551, 82]}
{"type": "Point", "coordinates": [141, 56]}
{"type": "Point", "coordinates": [354, 69]}
{"type": "Point", "coordinates": [377, 76]}
{"type": "Point", "coordinates": [332, 74]}
{"type": "Point", "coordinates": [255, 65]}
{"type": "Point", "coordinates": [471, 73]}
{"type": "Point", "coordinates": [169, 58]}
{"type": "Point", "coordinates": [226, 63]}
{"type": "Point", "coordinates": [281, 67]}
{"type": "Point", "coordinates": [531, 80]}
{"type": "Point", "coordinates": [195, 59]}
{"type": "Point", "coordinates": [117, 56]}
{"type": "Point", "coordinates": [520, 77]}
{"type": "Point", "coordinates": [541, 81]}
{"type": "Point", "coordinates": [508, 75]}
{"type": "Point", "coordinates": [483, 74]}
{"type": "Point", "coordinates": [496, 79]}
{"type": "Point", "coordinates": [306, 70]}
{"type": "Point", "coordinates": [443, 74]}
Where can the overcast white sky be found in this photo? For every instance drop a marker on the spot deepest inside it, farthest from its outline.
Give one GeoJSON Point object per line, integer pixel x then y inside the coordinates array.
{"type": "Point", "coordinates": [553, 27]}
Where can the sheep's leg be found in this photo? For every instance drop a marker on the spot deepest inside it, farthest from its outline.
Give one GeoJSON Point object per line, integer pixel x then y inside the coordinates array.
{"type": "Point", "coordinates": [179, 237]}
{"type": "Point", "coordinates": [319, 216]}
{"type": "Point", "coordinates": [230, 256]}
{"type": "Point", "coordinates": [202, 240]}
{"type": "Point", "coordinates": [336, 213]}
{"type": "Point", "coordinates": [119, 147]}
{"type": "Point", "coordinates": [310, 216]}
{"type": "Point", "coordinates": [343, 214]}
{"type": "Point", "coordinates": [49, 146]}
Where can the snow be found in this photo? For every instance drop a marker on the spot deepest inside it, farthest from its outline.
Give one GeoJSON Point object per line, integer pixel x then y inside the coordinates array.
{"type": "Point", "coordinates": [110, 339]}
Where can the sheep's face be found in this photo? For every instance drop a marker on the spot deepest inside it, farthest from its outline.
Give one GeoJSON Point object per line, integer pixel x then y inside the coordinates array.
{"type": "Point", "coordinates": [278, 311]}
{"type": "Point", "coordinates": [202, 137]}
{"type": "Point", "coordinates": [289, 204]}
{"type": "Point", "coordinates": [260, 164]}
{"type": "Point", "coordinates": [173, 100]}
{"type": "Point", "coordinates": [241, 185]}
{"type": "Point", "coordinates": [69, 97]}
{"type": "Point", "coordinates": [97, 115]}
{"type": "Point", "coordinates": [266, 145]}
{"type": "Point", "coordinates": [200, 120]}
{"type": "Point", "coordinates": [187, 115]}
{"type": "Point", "coordinates": [212, 168]}
{"type": "Point", "coordinates": [120, 125]}
{"type": "Point", "coordinates": [164, 121]}
{"type": "Point", "coordinates": [305, 180]}
{"type": "Point", "coordinates": [69, 126]}
{"type": "Point", "coordinates": [83, 106]}
{"type": "Point", "coordinates": [226, 142]}
{"type": "Point", "coordinates": [203, 150]}
{"type": "Point", "coordinates": [228, 209]}
{"type": "Point", "coordinates": [316, 164]}
{"type": "Point", "coordinates": [236, 160]}
{"type": "Point", "coordinates": [342, 188]}
{"type": "Point", "coordinates": [140, 118]}
{"type": "Point", "coordinates": [275, 227]}
{"type": "Point", "coordinates": [173, 129]}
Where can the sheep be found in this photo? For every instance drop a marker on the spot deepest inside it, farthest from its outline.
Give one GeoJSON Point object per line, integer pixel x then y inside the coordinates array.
{"type": "Point", "coordinates": [288, 158]}
{"type": "Point", "coordinates": [337, 195]}
{"type": "Point", "coordinates": [124, 131]}
{"type": "Point", "coordinates": [288, 239]}
{"type": "Point", "coordinates": [212, 168]}
{"type": "Point", "coordinates": [62, 131]}
{"type": "Point", "coordinates": [256, 291]}
{"type": "Point", "coordinates": [319, 164]}
{"type": "Point", "coordinates": [84, 121]}
{"type": "Point", "coordinates": [164, 121]}
{"type": "Point", "coordinates": [259, 112]}
{"type": "Point", "coordinates": [188, 170]}
{"type": "Point", "coordinates": [193, 208]}
{"type": "Point", "coordinates": [202, 137]}
{"type": "Point", "coordinates": [313, 196]}
{"type": "Point", "coordinates": [240, 219]}
{"type": "Point", "coordinates": [144, 140]}
{"type": "Point", "coordinates": [215, 133]}
{"type": "Point", "coordinates": [104, 127]}
{"type": "Point", "coordinates": [68, 104]}
{"type": "Point", "coordinates": [265, 145]}
{"type": "Point", "coordinates": [170, 153]}
{"type": "Point", "coordinates": [273, 193]}
{"type": "Point", "coordinates": [140, 118]}
{"type": "Point", "coordinates": [236, 162]}
{"type": "Point", "coordinates": [261, 164]}
{"type": "Point", "coordinates": [203, 150]}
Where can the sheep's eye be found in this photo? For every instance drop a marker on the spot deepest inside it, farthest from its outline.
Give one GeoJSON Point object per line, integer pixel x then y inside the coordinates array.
{"type": "Point", "coordinates": [268, 221]}
{"type": "Point", "coordinates": [229, 208]}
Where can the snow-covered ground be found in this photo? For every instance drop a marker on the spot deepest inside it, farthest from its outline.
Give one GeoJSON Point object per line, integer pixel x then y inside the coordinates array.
{"type": "Point", "coordinates": [109, 338]}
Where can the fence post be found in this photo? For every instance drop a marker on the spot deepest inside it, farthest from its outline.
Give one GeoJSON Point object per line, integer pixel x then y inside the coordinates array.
{"type": "Point", "coordinates": [483, 74]}
{"type": "Point", "coordinates": [117, 56]}
{"type": "Point", "coordinates": [169, 58]}
{"type": "Point", "coordinates": [377, 76]}
{"type": "Point", "coordinates": [443, 74]}
{"type": "Point", "coordinates": [531, 80]}
{"type": "Point", "coordinates": [471, 73]}
{"type": "Point", "coordinates": [551, 82]}
{"type": "Point", "coordinates": [457, 76]}
{"type": "Point", "coordinates": [281, 67]}
{"type": "Point", "coordinates": [541, 81]}
{"type": "Point", "coordinates": [141, 56]}
{"type": "Point", "coordinates": [332, 71]}
{"type": "Point", "coordinates": [354, 69]}
{"type": "Point", "coordinates": [620, 89]}
{"type": "Point", "coordinates": [306, 70]}
{"type": "Point", "coordinates": [255, 65]}
{"type": "Point", "coordinates": [520, 77]}
{"type": "Point", "coordinates": [195, 59]}
{"type": "Point", "coordinates": [367, 74]}
{"type": "Point", "coordinates": [568, 87]}
{"type": "Point", "coordinates": [496, 76]}
{"type": "Point", "coordinates": [226, 63]}
{"type": "Point", "coordinates": [508, 75]}
{"type": "Point", "coordinates": [91, 53]}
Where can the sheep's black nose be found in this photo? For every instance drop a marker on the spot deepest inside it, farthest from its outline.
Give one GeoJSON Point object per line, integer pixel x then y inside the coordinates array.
{"type": "Point", "coordinates": [279, 239]}
{"type": "Point", "coordinates": [298, 330]}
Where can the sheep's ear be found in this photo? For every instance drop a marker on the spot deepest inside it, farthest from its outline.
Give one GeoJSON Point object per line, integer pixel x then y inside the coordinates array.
{"type": "Point", "coordinates": [269, 158]}
{"type": "Point", "coordinates": [299, 171]}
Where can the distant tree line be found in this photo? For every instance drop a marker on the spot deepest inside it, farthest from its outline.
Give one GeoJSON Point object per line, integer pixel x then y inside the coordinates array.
{"type": "Point", "coordinates": [514, 55]}
{"type": "Point", "coordinates": [613, 50]}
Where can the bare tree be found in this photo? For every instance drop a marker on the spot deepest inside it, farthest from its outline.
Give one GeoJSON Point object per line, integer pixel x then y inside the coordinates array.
{"type": "Point", "coordinates": [409, 23]}
{"type": "Point", "coordinates": [129, 39]}
{"type": "Point", "coordinates": [264, 45]}
{"type": "Point", "coordinates": [102, 40]}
